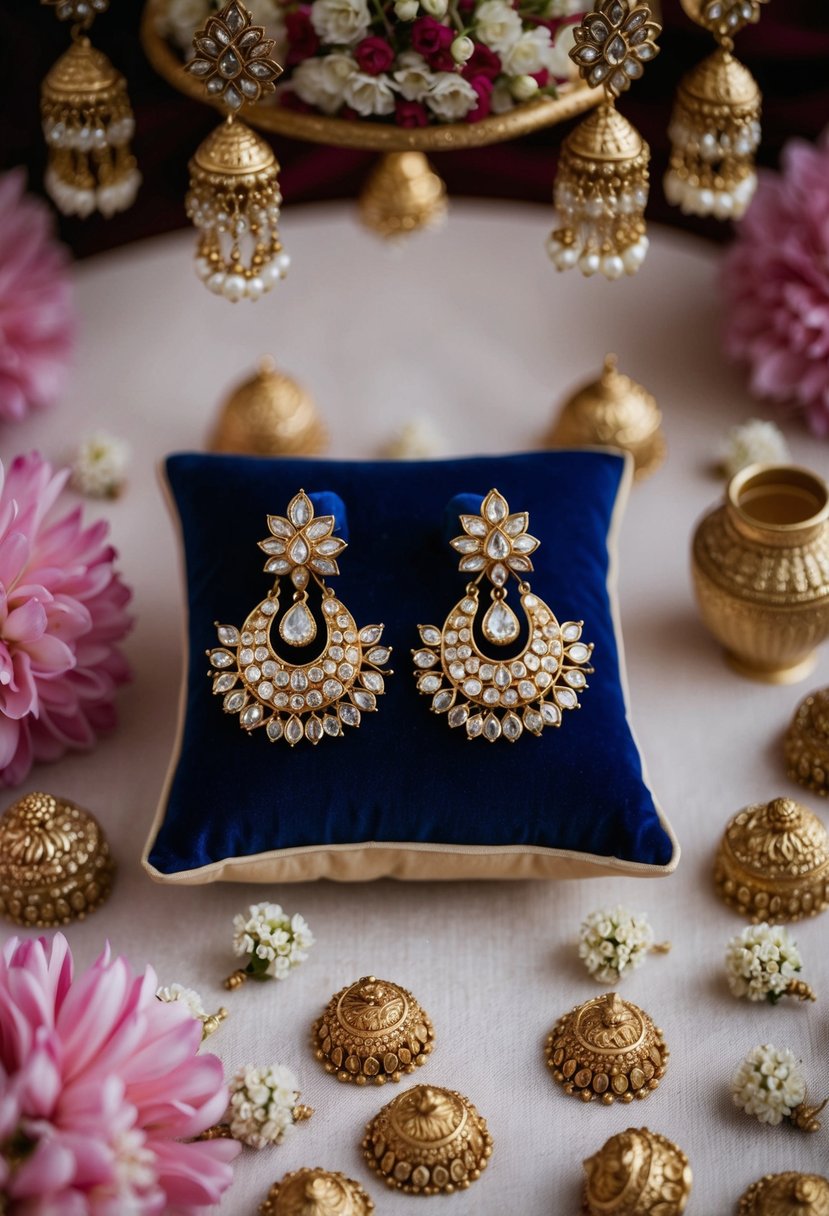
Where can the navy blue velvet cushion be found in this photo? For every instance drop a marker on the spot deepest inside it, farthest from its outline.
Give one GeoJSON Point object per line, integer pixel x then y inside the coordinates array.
{"type": "Point", "coordinates": [404, 775]}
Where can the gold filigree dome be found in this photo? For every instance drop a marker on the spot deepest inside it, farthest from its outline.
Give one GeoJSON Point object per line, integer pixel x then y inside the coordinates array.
{"type": "Point", "coordinates": [721, 80]}
{"type": "Point", "coordinates": [637, 1171]}
{"type": "Point", "coordinates": [372, 1031]}
{"type": "Point", "coordinates": [373, 1006]}
{"type": "Point", "coordinates": [81, 73]}
{"type": "Point", "coordinates": [426, 1115]}
{"type": "Point", "coordinates": [316, 1192]}
{"type": "Point", "coordinates": [606, 135]}
{"type": "Point", "coordinates": [789, 1194]}
{"type": "Point", "coordinates": [806, 746]}
{"type": "Point", "coordinates": [269, 414]}
{"type": "Point", "coordinates": [233, 150]}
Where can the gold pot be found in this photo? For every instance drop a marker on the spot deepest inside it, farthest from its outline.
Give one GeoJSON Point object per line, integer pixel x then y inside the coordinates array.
{"type": "Point", "coordinates": [760, 566]}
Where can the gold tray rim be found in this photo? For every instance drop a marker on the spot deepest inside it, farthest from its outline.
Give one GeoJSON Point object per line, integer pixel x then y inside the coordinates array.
{"type": "Point", "coordinates": [531, 116]}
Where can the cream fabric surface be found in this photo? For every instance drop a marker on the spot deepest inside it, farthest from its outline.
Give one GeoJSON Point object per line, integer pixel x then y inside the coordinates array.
{"type": "Point", "coordinates": [472, 327]}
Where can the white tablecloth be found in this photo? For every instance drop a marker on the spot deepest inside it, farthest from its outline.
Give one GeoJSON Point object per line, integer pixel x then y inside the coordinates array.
{"type": "Point", "coordinates": [472, 327]}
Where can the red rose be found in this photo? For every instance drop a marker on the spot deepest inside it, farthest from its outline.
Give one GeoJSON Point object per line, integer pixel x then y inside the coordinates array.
{"type": "Point", "coordinates": [429, 36]}
{"type": "Point", "coordinates": [411, 114]}
{"type": "Point", "coordinates": [303, 41]}
{"type": "Point", "coordinates": [542, 78]}
{"type": "Point", "coordinates": [482, 62]}
{"type": "Point", "coordinates": [442, 61]}
{"type": "Point", "coordinates": [374, 55]}
{"type": "Point", "coordinates": [483, 87]}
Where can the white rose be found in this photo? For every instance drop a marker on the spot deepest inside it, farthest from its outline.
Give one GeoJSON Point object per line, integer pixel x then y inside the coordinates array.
{"type": "Point", "coordinates": [340, 22]}
{"type": "Point", "coordinates": [406, 10]}
{"type": "Point", "coordinates": [559, 63]}
{"type": "Point", "coordinates": [462, 48]}
{"type": "Point", "coordinates": [497, 25]}
{"type": "Point", "coordinates": [565, 8]}
{"type": "Point", "coordinates": [181, 19]}
{"type": "Point", "coordinates": [502, 100]}
{"type": "Point", "coordinates": [320, 81]}
{"type": "Point", "coordinates": [369, 94]}
{"type": "Point", "coordinates": [435, 8]}
{"type": "Point", "coordinates": [414, 77]}
{"type": "Point", "coordinates": [523, 87]}
{"type": "Point", "coordinates": [529, 54]}
{"type": "Point", "coordinates": [451, 97]}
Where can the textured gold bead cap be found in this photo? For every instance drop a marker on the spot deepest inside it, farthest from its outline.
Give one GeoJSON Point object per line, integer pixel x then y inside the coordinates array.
{"type": "Point", "coordinates": [269, 414]}
{"type": "Point", "coordinates": [637, 1173]}
{"type": "Point", "coordinates": [81, 73]}
{"type": "Point", "coordinates": [372, 1030]}
{"type": "Point", "coordinates": [806, 746]}
{"type": "Point", "coordinates": [772, 863]}
{"type": "Point", "coordinates": [55, 863]}
{"type": "Point", "coordinates": [789, 1194]}
{"type": "Point", "coordinates": [233, 150]}
{"type": "Point", "coordinates": [607, 1049]}
{"type": "Point", "coordinates": [316, 1192]}
{"type": "Point", "coordinates": [428, 1140]}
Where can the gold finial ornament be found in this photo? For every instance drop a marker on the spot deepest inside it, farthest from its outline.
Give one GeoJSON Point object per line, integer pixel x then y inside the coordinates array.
{"type": "Point", "coordinates": [772, 863]}
{"type": "Point", "coordinates": [613, 411]}
{"type": "Point", "coordinates": [608, 1049]}
{"type": "Point", "coordinates": [601, 189]}
{"type": "Point", "coordinates": [402, 195]}
{"type": "Point", "coordinates": [372, 1031]}
{"type": "Point", "coordinates": [637, 1173]}
{"type": "Point", "coordinates": [316, 1192]}
{"type": "Point", "coordinates": [806, 746]}
{"type": "Point", "coordinates": [760, 564]}
{"type": "Point", "coordinates": [269, 414]}
{"type": "Point", "coordinates": [715, 127]}
{"type": "Point", "coordinates": [234, 195]}
{"type": "Point", "coordinates": [789, 1194]}
{"type": "Point", "coordinates": [55, 863]}
{"type": "Point", "coordinates": [428, 1141]}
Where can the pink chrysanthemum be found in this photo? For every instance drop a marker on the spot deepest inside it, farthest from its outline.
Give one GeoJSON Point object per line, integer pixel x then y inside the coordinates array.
{"type": "Point", "coordinates": [99, 1084]}
{"type": "Point", "coordinates": [36, 320]}
{"type": "Point", "coordinates": [62, 613]}
{"type": "Point", "coordinates": [776, 283]}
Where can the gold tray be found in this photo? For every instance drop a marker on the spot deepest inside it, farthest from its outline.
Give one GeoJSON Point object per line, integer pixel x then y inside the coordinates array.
{"type": "Point", "coordinates": [573, 99]}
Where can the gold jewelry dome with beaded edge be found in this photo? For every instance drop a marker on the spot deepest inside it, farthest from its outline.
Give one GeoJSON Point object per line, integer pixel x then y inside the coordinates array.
{"type": "Point", "coordinates": [372, 1030]}
{"type": "Point", "coordinates": [637, 1173]}
{"type": "Point", "coordinates": [316, 1192]}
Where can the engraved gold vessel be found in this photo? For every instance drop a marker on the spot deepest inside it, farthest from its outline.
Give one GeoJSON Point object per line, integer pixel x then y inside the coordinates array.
{"type": "Point", "coordinates": [607, 1048]}
{"type": "Point", "coordinates": [806, 746]}
{"type": "Point", "coordinates": [428, 1140]}
{"type": "Point", "coordinates": [316, 1192]}
{"type": "Point", "coordinates": [55, 863]}
{"type": "Point", "coordinates": [789, 1194]}
{"type": "Point", "coordinates": [760, 566]}
{"type": "Point", "coordinates": [372, 1031]}
{"type": "Point", "coordinates": [772, 863]}
{"type": "Point", "coordinates": [637, 1173]}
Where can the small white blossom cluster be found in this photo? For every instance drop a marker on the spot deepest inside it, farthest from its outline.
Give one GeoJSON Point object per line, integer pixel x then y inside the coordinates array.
{"type": "Point", "coordinates": [754, 442]}
{"type": "Point", "coordinates": [761, 961]}
{"type": "Point", "coordinates": [187, 996]}
{"type": "Point", "coordinates": [769, 1084]}
{"type": "Point", "coordinates": [613, 941]}
{"type": "Point", "coordinates": [99, 466]}
{"type": "Point", "coordinates": [262, 1102]}
{"type": "Point", "coordinates": [273, 942]}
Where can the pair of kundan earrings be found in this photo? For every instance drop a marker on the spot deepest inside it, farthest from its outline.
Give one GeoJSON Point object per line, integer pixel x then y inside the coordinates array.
{"type": "Point", "coordinates": [488, 696]}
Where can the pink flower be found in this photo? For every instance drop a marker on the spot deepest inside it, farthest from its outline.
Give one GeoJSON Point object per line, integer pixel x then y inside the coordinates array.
{"type": "Point", "coordinates": [35, 303]}
{"type": "Point", "coordinates": [99, 1083]}
{"type": "Point", "coordinates": [374, 55]}
{"type": "Point", "coordinates": [482, 62]}
{"type": "Point", "coordinates": [411, 114]}
{"type": "Point", "coordinates": [62, 613]}
{"type": "Point", "coordinates": [429, 36]}
{"type": "Point", "coordinates": [776, 281]}
{"type": "Point", "coordinates": [303, 40]}
{"type": "Point", "coordinates": [483, 87]}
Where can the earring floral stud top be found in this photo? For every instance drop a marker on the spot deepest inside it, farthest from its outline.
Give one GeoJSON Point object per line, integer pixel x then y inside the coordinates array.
{"type": "Point", "coordinates": [325, 693]}
{"type": "Point", "coordinates": [494, 697]}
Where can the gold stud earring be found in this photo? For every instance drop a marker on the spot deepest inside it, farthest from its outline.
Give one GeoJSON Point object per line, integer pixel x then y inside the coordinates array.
{"type": "Point", "coordinates": [489, 696]}
{"type": "Point", "coordinates": [326, 693]}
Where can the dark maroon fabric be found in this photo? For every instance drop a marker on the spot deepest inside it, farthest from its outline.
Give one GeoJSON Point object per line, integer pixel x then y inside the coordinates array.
{"type": "Point", "coordinates": [788, 52]}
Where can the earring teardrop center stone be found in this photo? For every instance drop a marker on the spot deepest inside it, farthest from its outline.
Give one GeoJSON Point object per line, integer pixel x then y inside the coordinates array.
{"type": "Point", "coordinates": [500, 624]}
{"type": "Point", "coordinates": [298, 626]}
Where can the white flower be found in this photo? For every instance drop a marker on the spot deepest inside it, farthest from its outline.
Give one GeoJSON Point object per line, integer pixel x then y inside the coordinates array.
{"type": "Point", "coordinates": [406, 10]}
{"type": "Point", "coordinates": [462, 49]}
{"type": "Point", "coordinates": [761, 961]}
{"type": "Point", "coordinates": [523, 87]}
{"type": "Point", "coordinates": [340, 22]}
{"type": "Point", "coordinates": [435, 8]}
{"type": "Point", "coordinates": [497, 25]}
{"type": "Point", "coordinates": [755, 442]}
{"type": "Point", "coordinates": [502, 98]}
{"type": "Point", "coordinates": [613, 941]}
{"type": "Point", "coordinates": [273, 942]}
{"type": "Point", "coordinates": [769, 1084]}
{"type": "Point", "coordinates": [564, 8]}
{"type": "Point", "coordinates": [417, 440]}
{"type": "Point", "coordinates": [369, 94]}
{"type": "Point", "coordinates": [529, 54]}
{"type": "Point", "coordinates": [187, 996]}
{"type": "Point", "coordinates": [180, 19]}
{"type": "Point", "coordinates": [414, 77]}
{"type": "Point", "coordinates": [262, 1103]}
{"type": "Point", "coordinates": [451, 97]}
{"type": "Point", "coordinates": [559, 64]}
{"type": "Point", "coordinates": [99, 466]}
{"type": "Point", "coordinates": [320, 81]}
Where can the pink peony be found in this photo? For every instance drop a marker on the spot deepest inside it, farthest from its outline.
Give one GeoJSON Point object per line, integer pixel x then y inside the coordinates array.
{"type": "Point", "coordinates": [35, 303]}
{"type": "Point", "coordinates": [99, 1083]}
{"type": "Point", "coordinates": [62, 613]}
{"type": "Point", "coordinates": [776, 282]}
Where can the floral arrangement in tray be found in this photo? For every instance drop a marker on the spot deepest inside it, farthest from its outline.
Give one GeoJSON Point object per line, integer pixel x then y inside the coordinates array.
{"type": "Point", "coordinates": [414, 63]}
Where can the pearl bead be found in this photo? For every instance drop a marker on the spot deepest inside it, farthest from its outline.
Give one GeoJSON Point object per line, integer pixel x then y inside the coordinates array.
{"type": "Point", "coordinates": [632, 259]}
{"type": "Point", "coordinates": [567, 257]}
{"type": "Point", "coordinates": [203, 269]}
{"type": "Point", "coordinates": [255, 288]}
{"type": "Point", "coordinates": [589, 263]}
{"type": "Point", "coordinates": [612, 266]}
{"type": "Point", "coordinates": [706, 201]}
{"type": "Point", "coordinates": [283, 262]}
{"type": "Point", "coordinates": [553, 246]}
{"type": "Point", "coordinates": [234, 287]}
{"type": "Point", "coordinates": [216, 282]}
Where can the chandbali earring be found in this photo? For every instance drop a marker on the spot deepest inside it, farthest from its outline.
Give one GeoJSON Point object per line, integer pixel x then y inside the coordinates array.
{"type": "Point", "coordinates": [496, 697]}
{"type": "Point", "coordinates": [601, 188]}
{"type": "Point", "coordinates": [328, 692]}
{"type": "Point", "coordinates": [715, 126]}
{"type": "Point", "coordinates": [87, 122]}
{"type": "Point", "coordinates": [234, 195]}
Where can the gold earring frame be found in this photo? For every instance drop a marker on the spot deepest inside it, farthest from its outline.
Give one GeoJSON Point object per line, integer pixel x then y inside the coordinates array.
{"type": "Point", "coordinates": [322, 695]}
{"type": "Point", "coordinates": [494, 697]}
